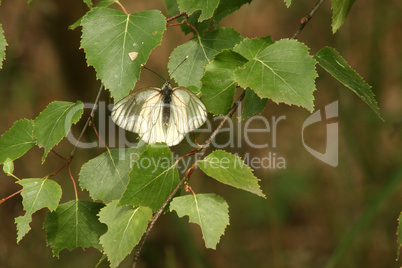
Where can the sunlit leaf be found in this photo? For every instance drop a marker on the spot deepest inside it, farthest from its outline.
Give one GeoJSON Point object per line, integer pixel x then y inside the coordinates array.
{"type": "Point", "coordinates": [207, 7]}
{"type": "Point", "coordinates": [209, 211]}
{"type": "Point", "coordinates": [3, 45]}
{"type": "Point", "coordinates": [54, 123]}
{"type": "Point", "coordinates": [333, 63]}
{"type": "Point", "coordinates": [252, 104]}
{"type": "Point", "coordinates": [340, 9]}
{"type": "Point", "coordinates": [152, 178]}
{"type": "Point", "coordinates": [283, 72]}
{"type": "Point", "coordinates": [218, 83]}
{"type": "Point", "coordinates": [231, 170]}
{"type": "Point", "coordinates": [108, 36]}
{"type": "Point", "coordinates": [200, 52]}
{"type": "Point", "coordinates": [74, 224]}
{"type": "Point", "coordinates": [106, 176]}
{"type": "Point", "coordinates": [36, 194]}
{"type": "Point", "coordinates": [17, 140]}
{"type": "Point", "coordinates": [126, 225]}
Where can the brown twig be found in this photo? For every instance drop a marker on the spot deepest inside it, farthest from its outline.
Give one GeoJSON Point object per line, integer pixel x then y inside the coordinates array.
{"type": "Point", "coordinates": [8, 197]}
{"type": "Point", "coordinates": [307, 18]}
{"type": "Point", "coordinates": [180, 23]}
{"type": "Point", "coordinates": [186, 176]}
{"type": "Point", "coordinates": [176, 16]}
{"type": "Point", "coordinates": [58, 155]}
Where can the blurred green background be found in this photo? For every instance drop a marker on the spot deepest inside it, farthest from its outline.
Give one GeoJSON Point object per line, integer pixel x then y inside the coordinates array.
{"type": "Point", "coordinates": [315, 215]}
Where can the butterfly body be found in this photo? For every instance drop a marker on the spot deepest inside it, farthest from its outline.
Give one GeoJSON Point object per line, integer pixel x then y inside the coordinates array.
{"type": "Point", "coordinates": [166, 99]}
{"type": "Point", "coordinates": [160, 115]}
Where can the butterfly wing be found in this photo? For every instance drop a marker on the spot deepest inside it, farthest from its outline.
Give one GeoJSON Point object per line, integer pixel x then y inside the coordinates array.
{"type": "Point", "coordinates": [187, 112]}
{"type": "Point", "coordinates": [141, 112]}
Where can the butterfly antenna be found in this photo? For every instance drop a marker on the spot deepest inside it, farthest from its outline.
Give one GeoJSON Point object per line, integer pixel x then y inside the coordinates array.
{"type": "Point", "coordinates": [145, 67]}
{"type": "Point", "coordinates": [170, 75]}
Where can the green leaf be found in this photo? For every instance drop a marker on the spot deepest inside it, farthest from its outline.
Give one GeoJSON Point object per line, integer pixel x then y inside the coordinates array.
{"type": "Point", "coordinates": [209, 211]}
{"type": "Point", "coordinates": [153, 177]}
{"type": "Point", "coordinates": [250, 48]}
{"type": "Point", "coordinates": [17, 140]}
{"type": "Point", "coordinates": [227, 7]}
{"type": "Point", "coordinates": [283, 72]}
{"type": "Point", "coordinates": [106, 3]}
{"type": "Point", "coordinates": [102, 3]}
{"type": "Point", "coordinates": [288, 2]}
{"type": "Point", "coordinates": [74, 224]}
{"type": "Point", "coordinates": [334, 64]}
{"type": "Point", "coordinates": [3, 45]}
{"type": "Point", "coordinates": [218, 83]}
{"type": "Point", "coordinates": [252, 104]}
{"type": "Point", "coordinates": [172, 7]}
{"type": "Point", "coordinates": [207, 7]}
{"type": "Point", "coordinates": [8, 166]}
{"type": "Point", "coordinates": [106, 176]}
{"type": "Point", "coordinates": [340, 9]}
{"type": "Point", "coordinates": [108, 36]}
{"type": "Point", "coordinates": [231, 170]}
{"type": "Point", "coordinates": [55, 122]}
{"type": "Point", "coordinates": [126, 225]}
{"type": "Point", "coordinates": [88, 3]}
{"type": "Point", "coordinates": [399, 235]}
{"type": "Point", "coordinates": [36, 194]}
{"type": "Point", "coordinates": [200, 51]}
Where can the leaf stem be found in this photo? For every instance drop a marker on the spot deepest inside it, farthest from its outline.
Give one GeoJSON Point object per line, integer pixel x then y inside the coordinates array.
{"type": "Point", "coordinates": [307, 18]}
{"type": "Point", "coordinates": [122, 7]}
{"type": "Point", "coordinates": [72, 179]}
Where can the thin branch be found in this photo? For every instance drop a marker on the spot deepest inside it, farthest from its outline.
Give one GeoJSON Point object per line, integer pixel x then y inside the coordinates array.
{"type": "Point", "coordinates": [8, 197]}
{"type": "Point", "coordinates": [307, 18]}
{"type": "Point", "coordinates": [58, 155]}
{"type": "Point", "coordinates": [180, 23]}
{"type": "Point", "coordinates": [185, 178]}
{"type": "Point", "coordinates": [87, 123]}
{"type": "Point", "coordinates": [231, 112]}
{"type": "Point", "coordinates": [176, 16]}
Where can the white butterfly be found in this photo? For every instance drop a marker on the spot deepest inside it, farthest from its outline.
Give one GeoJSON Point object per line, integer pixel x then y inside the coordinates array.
{"type": "Point", "coordinates": [160, 115]}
